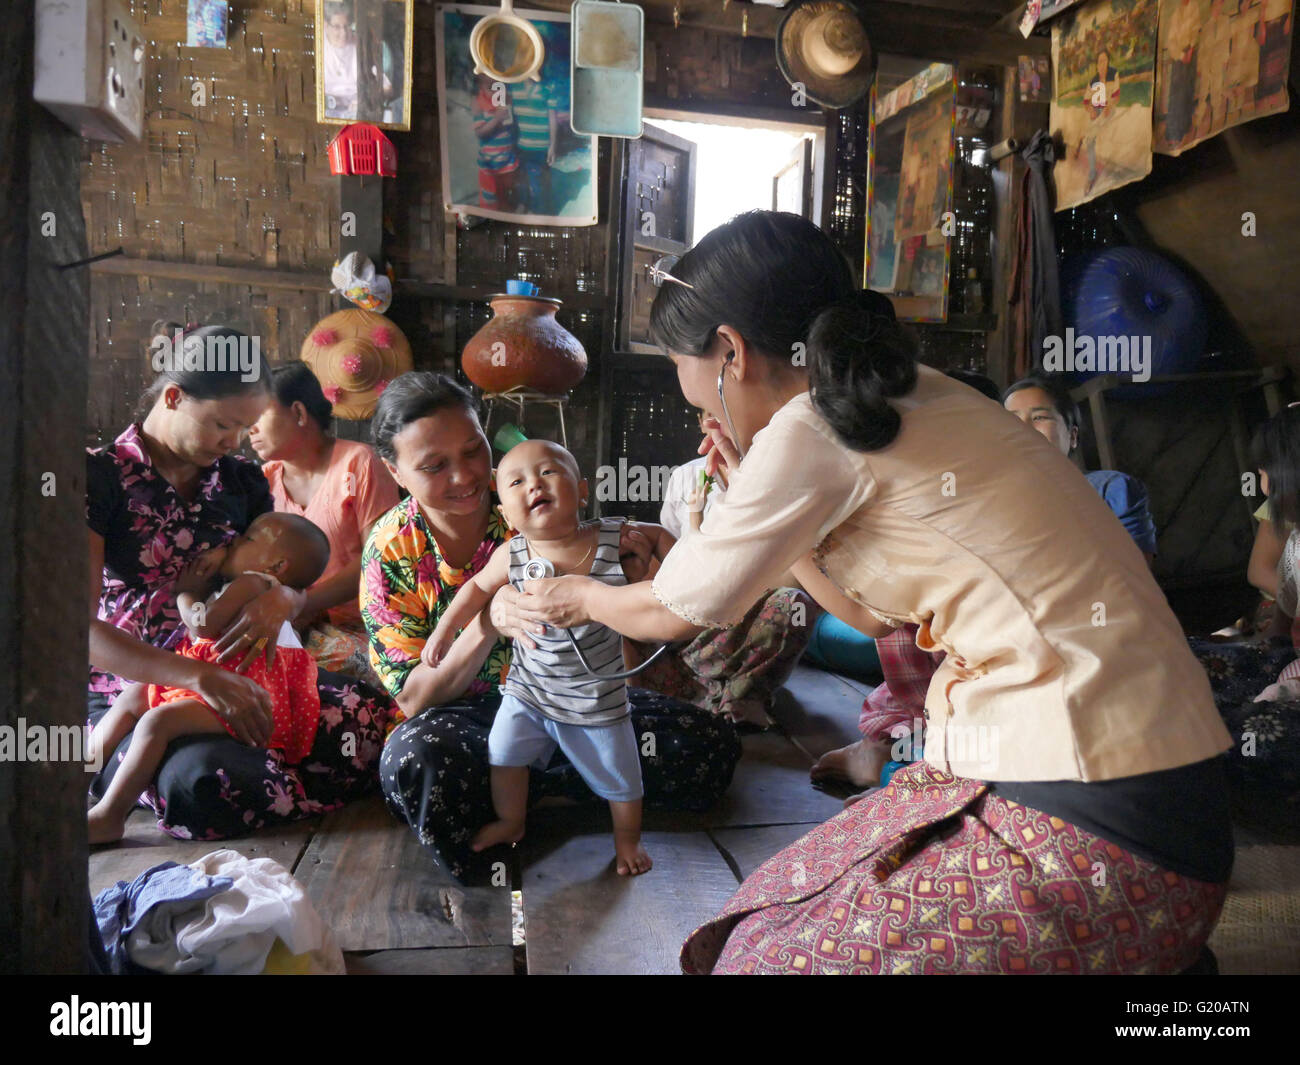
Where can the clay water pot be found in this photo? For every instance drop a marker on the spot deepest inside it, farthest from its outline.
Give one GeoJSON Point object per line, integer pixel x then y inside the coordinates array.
{"type": "Point", "coordinates": [523, 346]}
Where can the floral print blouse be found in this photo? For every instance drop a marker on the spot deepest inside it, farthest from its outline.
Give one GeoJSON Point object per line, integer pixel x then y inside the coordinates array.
{"type": "Point", "coordinates": [150, 533]}
{"type": "Point", "coordinates": [406, 585]}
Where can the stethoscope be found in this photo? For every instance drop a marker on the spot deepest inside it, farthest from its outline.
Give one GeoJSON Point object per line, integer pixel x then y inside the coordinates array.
{"type": "Point", "coordinates": [735, 437]}
{"type": "Point", "coordinates": [539, 568]}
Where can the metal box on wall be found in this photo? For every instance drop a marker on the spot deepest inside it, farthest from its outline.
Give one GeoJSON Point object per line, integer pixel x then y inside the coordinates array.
{"type": "Point", "coordinates": [90, 67]}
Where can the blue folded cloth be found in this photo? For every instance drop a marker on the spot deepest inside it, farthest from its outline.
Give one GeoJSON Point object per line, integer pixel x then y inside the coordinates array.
{"type": "Point", "coordinates": [119, 909]}
{"type": "Point", "coordinates": [839, 648]}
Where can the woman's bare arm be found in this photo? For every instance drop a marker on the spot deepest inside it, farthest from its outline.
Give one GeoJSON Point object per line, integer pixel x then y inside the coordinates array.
{"type": "Point", "coordinates": [1264, 556]}
{"type": "Point", "coordinates": [832, 600]}
{"type": "Point", "coordinates": [430, 685]}
{"type": "Point", "coordinates": [334, 591]}
{"type": "Point", "coordinates": [630, 609]}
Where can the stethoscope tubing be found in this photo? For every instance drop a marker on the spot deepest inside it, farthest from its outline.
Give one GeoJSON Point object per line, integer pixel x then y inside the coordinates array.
{"type": "Point", "coordinates": [597, 678]}
{"type": "Point", "coordinates": [731, 426]}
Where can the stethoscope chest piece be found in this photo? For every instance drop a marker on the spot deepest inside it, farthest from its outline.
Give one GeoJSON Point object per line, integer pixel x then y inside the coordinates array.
{"type": "Point", "coordinates": [535, 569]}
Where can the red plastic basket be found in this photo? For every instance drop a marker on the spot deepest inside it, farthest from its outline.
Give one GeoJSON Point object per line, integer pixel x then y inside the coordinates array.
{"type": "Point", "coordinates": [363, 149]}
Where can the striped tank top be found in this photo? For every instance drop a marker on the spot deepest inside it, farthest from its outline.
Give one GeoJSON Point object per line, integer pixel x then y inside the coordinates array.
{"type": "Point", "coordinates": [551, 678]}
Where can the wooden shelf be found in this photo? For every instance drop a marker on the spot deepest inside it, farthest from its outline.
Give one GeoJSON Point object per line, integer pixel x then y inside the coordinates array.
{"type": "Point", "coordinates": [254, 277]}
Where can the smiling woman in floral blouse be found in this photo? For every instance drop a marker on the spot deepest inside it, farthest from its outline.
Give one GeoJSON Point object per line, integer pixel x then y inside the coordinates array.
{"type": "Point", "coordinates": [434, 769]}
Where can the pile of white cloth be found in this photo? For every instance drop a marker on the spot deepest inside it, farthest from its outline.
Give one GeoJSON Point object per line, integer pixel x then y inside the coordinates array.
{"type": "Point", "coordinates": [261, 922]}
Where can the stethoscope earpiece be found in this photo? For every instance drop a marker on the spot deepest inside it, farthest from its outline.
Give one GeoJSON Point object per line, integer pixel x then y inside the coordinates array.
{"type": "Point", "coordinates": [735, 437]}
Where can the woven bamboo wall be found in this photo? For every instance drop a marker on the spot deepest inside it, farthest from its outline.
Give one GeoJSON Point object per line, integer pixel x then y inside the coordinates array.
{"type": "Point", "coordinates": [693, 65]}
{"type": "Point", "coordinates": [124, 308]}
{"type": "Point", "coordinates": [241, 181]}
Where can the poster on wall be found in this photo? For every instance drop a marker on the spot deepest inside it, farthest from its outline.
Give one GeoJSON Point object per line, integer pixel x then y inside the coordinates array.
{"type": "Point", "coordinates": [1222, 62]}
{"type": "Point", "coordinates": [882, 250]}
{"type": "Point", "coordinates": [1039, 11]}
{"type": "Point", "coordinates": [1103, 62]}
{"type": "Point", "coordinates": [205, 23]}
{"type": "Point", "coordinates": [1035, 77]}
{"type": "Point", "coordinates": [927, 168]}
{"type": "Point", "coordinates": [508, 150]}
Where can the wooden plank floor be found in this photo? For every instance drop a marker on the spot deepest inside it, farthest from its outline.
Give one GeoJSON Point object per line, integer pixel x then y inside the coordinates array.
{"type": "Point", "coordinates": [394, 911]}
{"type": "Point", "coordinates": [144, 846]}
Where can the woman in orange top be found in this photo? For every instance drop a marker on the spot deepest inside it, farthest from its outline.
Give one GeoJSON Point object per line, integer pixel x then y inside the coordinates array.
{"type": "Point", "coordinates": [1070, 812]}
{"type": "Point", "coordinates": [339, 485]}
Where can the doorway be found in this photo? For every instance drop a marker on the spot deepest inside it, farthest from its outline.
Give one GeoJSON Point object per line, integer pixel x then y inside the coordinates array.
{"type": "Point", "coordinates": [742, 165]}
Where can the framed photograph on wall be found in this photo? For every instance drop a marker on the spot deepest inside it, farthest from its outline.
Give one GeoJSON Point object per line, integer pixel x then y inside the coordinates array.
{"type": "Point", "coordinates": [910, 153]}
{"type": "Point", "coordinates": [363, 62]}
{"type": "Point", "coordinates": [205, 23]}
{"type": "Point", "coordinates": [508, 149]}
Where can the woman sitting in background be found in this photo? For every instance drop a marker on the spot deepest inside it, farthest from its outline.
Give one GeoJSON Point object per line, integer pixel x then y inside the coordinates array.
{"type": "Point", "coordinates": [734, 672]}
{"type": "Point", "coordinates": [339, 485]}
{"type": "Point", "coordinates": [166, 491]}
{"type": "Point", "coordinates": [1262, 715]}
{"type": "Point", "coordinates": [1046, 407]}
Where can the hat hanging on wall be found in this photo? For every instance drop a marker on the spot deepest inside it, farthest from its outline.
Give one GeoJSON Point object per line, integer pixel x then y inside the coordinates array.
{"type": "Point", "coordinates": [823, 47]}
{"type": "Point", "coordinates": [355, 354]}
{"type": "Point", "coordinates": [506, 47]}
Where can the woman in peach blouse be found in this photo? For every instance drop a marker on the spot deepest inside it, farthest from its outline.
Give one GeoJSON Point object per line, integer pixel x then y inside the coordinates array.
{"type": "Point", "coordinates": [342, 487]}
{"type": "Point", "coordinates": [1069, 814]}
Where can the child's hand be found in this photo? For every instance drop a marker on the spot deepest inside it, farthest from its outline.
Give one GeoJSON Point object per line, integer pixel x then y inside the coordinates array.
{"type": "Point", "coordinates": [196, 577]}
{"type": "Point", "coordinates": [635, 550]}
{"type": "Point", "coordinates": [434, 651]}
{"type": "Point", "coordinates": [697, 493]}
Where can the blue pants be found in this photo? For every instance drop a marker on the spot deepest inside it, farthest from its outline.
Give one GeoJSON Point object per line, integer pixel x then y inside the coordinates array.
{"type": "Point", "coordinates": [605, 755]}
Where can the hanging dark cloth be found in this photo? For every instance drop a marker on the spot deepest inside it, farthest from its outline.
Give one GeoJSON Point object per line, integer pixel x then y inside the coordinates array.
{"type": "Point", "coordinates": [1035, 293]}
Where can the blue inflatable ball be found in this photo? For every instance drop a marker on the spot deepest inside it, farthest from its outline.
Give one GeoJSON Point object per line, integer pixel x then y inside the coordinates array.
{"type": "Point", "coordinates": [1129, 307]}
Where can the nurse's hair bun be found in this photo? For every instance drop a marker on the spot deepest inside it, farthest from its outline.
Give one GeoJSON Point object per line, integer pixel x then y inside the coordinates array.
{"type": "Point", "coordinates": [858, 359]}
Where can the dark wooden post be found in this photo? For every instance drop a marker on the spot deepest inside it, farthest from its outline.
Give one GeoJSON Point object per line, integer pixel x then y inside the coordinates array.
{"type": "Point", "coordinates": [43, 337]}
{"type": "Point", "coordinates": [370, 56]}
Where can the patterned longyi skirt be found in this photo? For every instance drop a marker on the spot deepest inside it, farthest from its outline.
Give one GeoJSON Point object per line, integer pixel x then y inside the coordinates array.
{"type": "Point", "coordinates": [934, 874]}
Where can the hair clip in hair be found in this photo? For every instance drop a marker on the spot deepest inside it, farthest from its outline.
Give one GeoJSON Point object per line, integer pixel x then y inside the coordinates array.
{"type": "Point", "coordinates": [659, 272]}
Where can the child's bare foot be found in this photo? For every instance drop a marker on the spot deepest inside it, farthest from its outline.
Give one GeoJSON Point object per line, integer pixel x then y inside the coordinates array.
{"type": "Point", "coordinates": [632, 858]}
{"type": "Point", "coordinates": [859, 763]}
{"type": "Point", "coordinates": [102, 828]}
{"type": "Point", "coordinates": [497, 832]}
